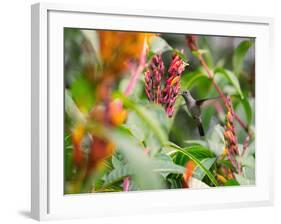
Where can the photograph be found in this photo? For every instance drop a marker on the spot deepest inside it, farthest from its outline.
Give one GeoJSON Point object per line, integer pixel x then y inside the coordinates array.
{"type": "Point", "coordinates": [157, 111]}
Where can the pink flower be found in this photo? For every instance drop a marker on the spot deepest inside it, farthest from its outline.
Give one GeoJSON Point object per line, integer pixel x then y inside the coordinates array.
{"type": "Point", "coordinates": [177, 66]}
{"type": "Point", "coordinates": [155, 74]}
{"type": "Point", "coordinates": [152, 77]}
{"type": "Point", "coordinates": [172, 85]}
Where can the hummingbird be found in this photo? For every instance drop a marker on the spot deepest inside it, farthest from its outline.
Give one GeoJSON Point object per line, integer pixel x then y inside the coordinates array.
{"type": "Point", "coordinates": [194, 107]}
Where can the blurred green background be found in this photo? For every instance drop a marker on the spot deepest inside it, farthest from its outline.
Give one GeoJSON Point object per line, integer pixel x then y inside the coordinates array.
{"type": "Point", "coordinates": [150, 150]}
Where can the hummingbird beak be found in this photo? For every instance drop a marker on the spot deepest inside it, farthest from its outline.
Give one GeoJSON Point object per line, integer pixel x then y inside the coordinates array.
{"type": "Point", "coordinates": [180, 93]}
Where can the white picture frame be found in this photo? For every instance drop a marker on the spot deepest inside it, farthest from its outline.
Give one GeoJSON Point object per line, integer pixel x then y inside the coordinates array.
{"type": "Point", "coordinates": [48, 200]}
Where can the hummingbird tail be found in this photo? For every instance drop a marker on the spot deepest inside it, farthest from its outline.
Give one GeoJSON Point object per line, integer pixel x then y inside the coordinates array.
{"type": "Point", "coordinates": [200, 129]}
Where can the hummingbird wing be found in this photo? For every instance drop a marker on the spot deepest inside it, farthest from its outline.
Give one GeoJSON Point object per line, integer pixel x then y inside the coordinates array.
{"type": "Point", "coordinates": [204, 102]}
{"type": "Point", "coordinates": [207, 101]}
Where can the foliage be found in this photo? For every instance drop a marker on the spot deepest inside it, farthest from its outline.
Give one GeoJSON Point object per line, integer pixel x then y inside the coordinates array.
{"type": "Point", "coordinates": [118, 140]}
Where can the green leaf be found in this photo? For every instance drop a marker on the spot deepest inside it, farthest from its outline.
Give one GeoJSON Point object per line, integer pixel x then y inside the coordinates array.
{"type": "Point", "coordinates": [83, 94]}
{"type": "Point", "coordinates": [137, 127]}
{"type": "Point", "coordinates": [248, 167]}
{"type": "Point", "coordinates": [229, 75]}
{"type": "Point", "coordinates": [248, 109]}
{"type": "Point", "coordinates": [188, 80]}
{"type": "Point", "coordinates": [207, 163]}
{"type": "Point", "coordinates": [68, 156]}
{"type": "Point", "coordinates": [117, 175]}
{"type": "Point", "coordinates": [239, 55]}
{"type": "Point", "coordinates": [201, 152]}
{"type": "Point", "coordinates": [232, 182]}
{"type": "Point", "coordinates": [197, 142]}
{"type": "Point", "coordinates": [158, 166]}
{"type": "Point", "coordinates": [208, 115]}
{"type": "Point", "coordinates": [242, 180]}
{"type": "Point", "coordinates": [251, 149]}
{"type": "Point", "coordinates": [186, 152]}
{"type": "Point", "coordinates": [206, 49]}
{"type": "Point", "coordinates": [93, 38]}
{"type": "Point", "coordinates": [200, 52]}
{"type": "Point", "coordinates": [72, 110]}
{"type": "Point", "coordinates": [215, 140]}
{"type": "Point", "coordinates": [145, 116]}
{"type": "Point", "coordinates": [175, 183]}
{"type": "Point", "coordinates": [158, 113]}
{"type": "Point", "coordinates": [149, 55]}
{"type": "Point", "coordinates": [170, 168]}
{"type": "Point", "coordinates": [158, 45]}
{"type": "Point", "coordinates": [151, 143]}
{"type": "Point", "coordinates": [198, 163]}
{"type": "Point", "coordinates": [249, 173]}
{"type": "Point", "coordinates": [221, 62]}
{"type": "Point", "coordinates": [247, 160]}
{"type": "Point", "coordinates": [116, 162]}
{"type": "Point", "coordinates": [230, 90]}
{"type": "Point", "coordinates": [166, 166]}
{"type": "Point", "coordinates": [140, 165]}
{"type": "Point", "coordinates": [142, 131]}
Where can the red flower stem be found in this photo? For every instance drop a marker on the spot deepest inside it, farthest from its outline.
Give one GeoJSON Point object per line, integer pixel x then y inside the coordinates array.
{"type": "Point", "coordinates": [136, 71]}
{"type": "Point", "coordinates": [220, 92]}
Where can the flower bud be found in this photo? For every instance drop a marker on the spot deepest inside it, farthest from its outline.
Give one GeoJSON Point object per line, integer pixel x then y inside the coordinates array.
{"type": "Point", "coordinates": [152, 77]}
{"type": "Point", "coordinates": [231, 144]}
{"type": "Point", "coordinates": [172, 86]}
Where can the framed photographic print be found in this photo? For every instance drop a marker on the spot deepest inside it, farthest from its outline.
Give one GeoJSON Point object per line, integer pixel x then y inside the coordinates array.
{"type": "Point", "coordinates": [148, 111]}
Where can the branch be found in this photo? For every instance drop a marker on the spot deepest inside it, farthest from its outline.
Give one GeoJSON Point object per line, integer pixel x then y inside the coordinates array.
{"type": "Point", "coordinates": [191, 42]}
